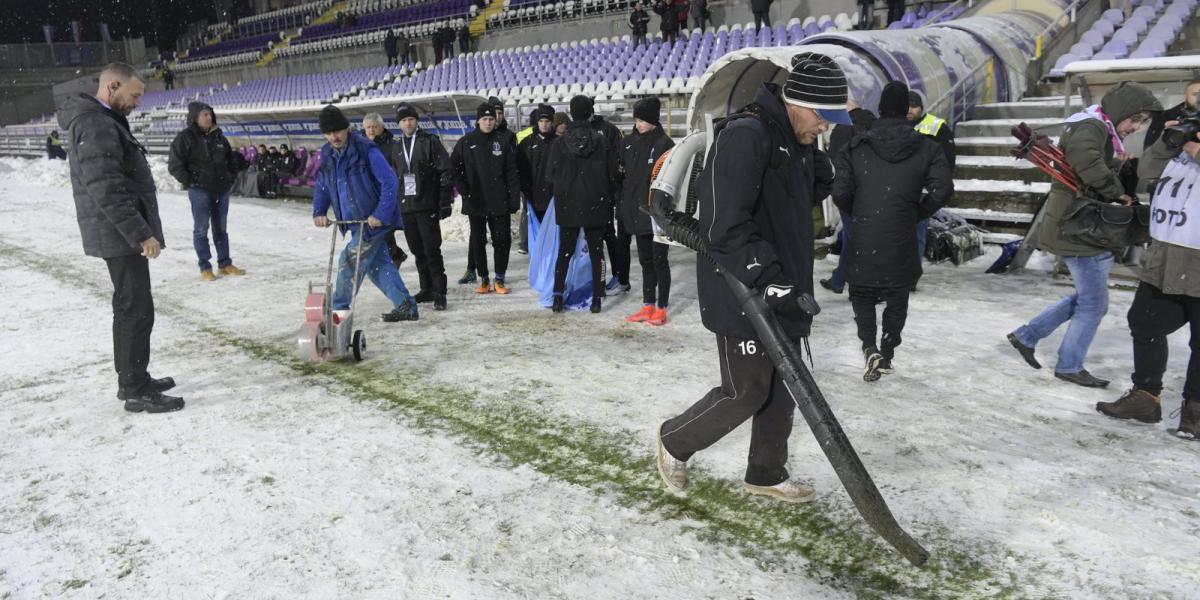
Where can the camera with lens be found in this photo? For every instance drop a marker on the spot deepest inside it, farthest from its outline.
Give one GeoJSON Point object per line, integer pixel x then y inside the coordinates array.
{"type": "Point", "coordinates": [1187, 130]}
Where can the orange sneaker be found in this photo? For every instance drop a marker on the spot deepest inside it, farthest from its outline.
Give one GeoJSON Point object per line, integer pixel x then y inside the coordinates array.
{"type": "Point", "coordinates": [485, 287]}
{"type": "Point", "coordinates": [642, 315]}
{"type": "Point", "coordinates": [500, 287]}
{"type": "Point", "coordinates": [658, 318]}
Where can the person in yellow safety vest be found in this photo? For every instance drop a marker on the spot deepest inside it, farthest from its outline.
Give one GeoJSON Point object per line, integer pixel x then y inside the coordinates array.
{"type": "Point", "coordinates": [54, 147]}
{"type": "Point", "coordinates": [941, 132]}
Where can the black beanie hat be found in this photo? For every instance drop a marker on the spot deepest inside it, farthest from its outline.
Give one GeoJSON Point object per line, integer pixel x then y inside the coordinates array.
{"type": "Point", "coordinates": [894, 101]}
{"type": "Point", "coordinates": [648, 110]}
{"type": "Point", "coordinates": [818, 83]}
{"type": "Point", "coordinates": [332, 119]}
{"type": "Point", "coordinates": [914, 99]}
{"type": "Point", "coordinates": [405, 111]}
{"type": "Point", "coordinates": [485, 110]}
{"type": "Point", "coordinates": [494, 101]}
{"type": "Point", "coordinates": [582, 108]}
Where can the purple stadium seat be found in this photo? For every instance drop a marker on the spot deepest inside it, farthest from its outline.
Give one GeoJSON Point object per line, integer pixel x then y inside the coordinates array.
{"type": "Point", "coordinates": [1116, 48]}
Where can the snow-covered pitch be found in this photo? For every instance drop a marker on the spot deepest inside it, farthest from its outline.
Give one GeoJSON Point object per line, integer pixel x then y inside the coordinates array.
{"type": "Point", "coordinates": [497, 450]}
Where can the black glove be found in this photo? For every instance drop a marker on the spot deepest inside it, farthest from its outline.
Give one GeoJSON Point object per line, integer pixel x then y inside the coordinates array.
{"type": "Point", "coordinates": [445, 213]}
{"type": "Point", "coordinates": [785, 298]}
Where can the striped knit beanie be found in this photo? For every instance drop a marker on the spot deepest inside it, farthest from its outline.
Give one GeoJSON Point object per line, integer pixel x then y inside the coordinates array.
{"type": "Point", "coordinates": [818, 83]}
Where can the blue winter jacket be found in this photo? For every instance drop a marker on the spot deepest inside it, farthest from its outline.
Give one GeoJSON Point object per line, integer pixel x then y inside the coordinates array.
{"type": "Point", "coordinates": [358, 184]}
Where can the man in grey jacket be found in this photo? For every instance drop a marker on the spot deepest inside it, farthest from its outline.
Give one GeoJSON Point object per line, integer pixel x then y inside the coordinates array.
{"type": "Point", "coordinates": [117, 210]}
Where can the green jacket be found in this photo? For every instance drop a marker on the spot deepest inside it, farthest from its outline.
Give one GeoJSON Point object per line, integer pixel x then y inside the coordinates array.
{"type": "Point", "coordinates": [1168, 267]}
{"type": "Point", "coordinates": [1089, 149]}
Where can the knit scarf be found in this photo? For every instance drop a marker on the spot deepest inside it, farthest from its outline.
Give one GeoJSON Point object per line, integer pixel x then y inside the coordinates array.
{"type": "Point", "coordinates": [1095, 112]}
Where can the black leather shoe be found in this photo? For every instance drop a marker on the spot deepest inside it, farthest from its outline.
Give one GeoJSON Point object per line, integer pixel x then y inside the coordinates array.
{"type": "Point", "coordinates": [1082, 378]}
{"type": "Point", "coordinates": [828, 284]}
{"type": "Point", "coordinates": [1026, 352]}
{"type": "Point", "coordinates": [595, 308]}
{"type": "Point", "coordinates": [558, 304]}
{"type": "Point", "coordinates": [154, 385]}
{"type": "Point", "coordinates": [423, 296]}
{"type": "Point", "coordinates": [439, 301]}
{"type": "Point", "coordinates": [153, 402]}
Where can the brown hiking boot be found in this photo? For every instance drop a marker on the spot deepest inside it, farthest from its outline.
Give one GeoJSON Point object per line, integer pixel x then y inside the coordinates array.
{"type": "Point", "coordinates": [1189, 421]}
{"type": "Point", "coordinates": [1136, 404]}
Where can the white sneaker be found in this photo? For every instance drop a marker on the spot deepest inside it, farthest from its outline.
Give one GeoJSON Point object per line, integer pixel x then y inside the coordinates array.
{"type": "Point", "coordinates": [672, 471]}
{"type": "Point", "coordinates": [788, 490]}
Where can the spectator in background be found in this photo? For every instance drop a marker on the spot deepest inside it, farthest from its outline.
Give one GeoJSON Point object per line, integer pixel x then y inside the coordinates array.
{"type": "Point", "coordinates": [54, 147]}
{"type": "Point", "coordinates": [287, 161]}
{"type": "Point", "coordinates": [168, 77]}
{"type": "Point", "coordinates": [404, 49]}
{"type": "Point", "coordinates": [762, 13]}
{"type": "Point", "coordinates": [561, 119]}
{"type": "Point", "coordinates": [448, 40]}
{"type": "Point", "coordinates": [681, 13]}
{"type": "Point", "coordinates": [639, 22]}
{"type": "Point", "coordinates": [669, 26]}
{"type": "Point", "coordinates": [866, 15]}
{"type": "Point", "coordinates": [895, 10]}
{"type": "Point", "coordinates": [439, 48]}
{"type": "Point", "coordinates": [700, 14]}
{"type": "Point", "coordinates": [464, 38]}
{"type": "Point", "coordinates": [390, 48]}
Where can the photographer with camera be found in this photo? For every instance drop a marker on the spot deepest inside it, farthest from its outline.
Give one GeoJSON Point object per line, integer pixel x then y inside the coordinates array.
{"type": "Point", "coordinates": [1190, 107]}
{"type": "Point", "coordinates": [1168, 296]}
{"type": "Point", "coordinates": [1092, 143]}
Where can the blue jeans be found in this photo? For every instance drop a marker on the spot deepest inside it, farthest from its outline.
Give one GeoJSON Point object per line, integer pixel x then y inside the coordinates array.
{"type": "Point", "coordinates": [207, 208]}
{"type": "Point", "coordinates": [837, 279]}
{"type": "Point", "coordinates": [922, 233]}
{"type": "Point", "coordinates": [376, 264]}
{"type": "Point", "coordinates": [1083, 309]}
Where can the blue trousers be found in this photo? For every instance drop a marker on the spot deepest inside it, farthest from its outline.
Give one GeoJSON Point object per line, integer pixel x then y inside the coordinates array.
{"type": "Point", "coordinates": [1083, 309]}
{"type": "Point", "coordinates": [207, 208]}
{"type": "Point", "coordinates": [376, 264]}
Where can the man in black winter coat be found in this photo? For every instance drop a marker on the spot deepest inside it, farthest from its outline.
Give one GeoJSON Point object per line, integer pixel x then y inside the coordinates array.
{"type": "Point", "coordinates": [761, 179]}
{"type": "Point", "coordinates": [618, 253]}
{"type": "Point", "coordinates": [762, 13]}
{"type": "Point", "coordinates": [584, 177]}
{"type": "Point", "coordinates": [509, 139]}
{"type": "Point", "coordinates": [839, 139]}
{"type": "Point", "coordinates": [639, 153]}
{"type": "Point", "coordinates": [205, 165]}
{"type": "Point", "coordinates": [639, 22]}
{"type": "Point", "coordinates": [389, 47]}
{"type": "Point", "coordinates": [1189, 107]}
{"type": "Point", "coordinates": [374, 129]}
{"type": "Point", "coordinates": [117, 210]}
{"type": "Point", "coordinates": [426, 196]}
{"type": "Point", "coordinates": [485, 172]}
{"type": "Point", "coordinates": [879, 183]}
{"type": "Point", "coordinates": [533, 159]}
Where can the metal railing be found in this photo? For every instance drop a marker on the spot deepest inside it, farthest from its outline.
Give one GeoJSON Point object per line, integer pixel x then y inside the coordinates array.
{"type": "Point", "coordinates": [935, 17]}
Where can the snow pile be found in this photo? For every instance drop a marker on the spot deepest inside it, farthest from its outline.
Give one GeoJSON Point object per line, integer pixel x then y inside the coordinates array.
{"type": "Point", "coordinates": [56, 173]}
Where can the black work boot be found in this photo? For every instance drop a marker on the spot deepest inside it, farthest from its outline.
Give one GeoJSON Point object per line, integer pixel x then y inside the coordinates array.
{"type": "Point", "coordinates": [595, 308]}
{"type": "Point", "coordinates": [157, 385]}
{"type": "Point", "coordinates": [1136, 404]}
{"type": "Point", "coordinates": [1189, 421]}
{"type": "Point", "coordinates": [558, 304]}
{"type": "Point", "coordinates": [439, 301]}
{"type": "Point", "coordinates": [404, 312]}
{"type": "Point", "coordinates": [152, 401]}
{"type": "Point", "coordinates": [424, 296]}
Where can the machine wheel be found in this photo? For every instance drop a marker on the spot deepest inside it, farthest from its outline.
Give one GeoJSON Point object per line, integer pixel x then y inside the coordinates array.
{"type": "Point", "coordinates": [359, 345]}
{"type": "Point", "coordinates": [307, 342]}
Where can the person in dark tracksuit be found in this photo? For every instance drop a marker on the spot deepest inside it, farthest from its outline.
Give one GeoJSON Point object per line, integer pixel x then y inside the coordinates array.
{"type": "Point", "coordinates": [584, 178]}
{"type": "Point", "coordinates": [639, 153]}
{"type": "Point", "coordinates": [117, 210]}
{"type": "Point", "coordinates": [509, 140]}
{"type": "Point", "coordinates": [484, 163]}
{"type": "Point", "coordinates": [618, 254]}
{"type": "Point", "coordinates": [534, 158]}
{"type": "Point", "coordinates": [880, 177]}
{"type": "Point", "coordinates": [761, 179]}
{"type": "Point", "coordinates": [374, 130]}
{"type": "Point", "coordinates": [838, 139]}
{"type": "Point", "coordinates": [205, 165]}
{"type": "Point", "coordinates": [425, 188]}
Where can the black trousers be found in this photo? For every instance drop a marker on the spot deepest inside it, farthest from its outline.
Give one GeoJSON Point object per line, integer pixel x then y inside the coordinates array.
{"type": "Point", "coordinates": [423, 231]}
{"type": "Point", "coordinates": [501, 227]}
{"type": "Point", "coordinates": [749, 388]}
{"type": "Point", "coordinates": [656, 271]}
{"type": "Point", "coordinates": [617, 240]}
{"type": "Point", "coordinates": [567, 238]}
{"type": "Point", "coordinates": [393, 60]}
{"type": "Point", "coordinates": [761, 19]}
{"type": "Point", "coordinates": [1154, 316]}
{"type": "Point", "coordinates": [863, 299]}
{"type": "Point", "coordinates": [133, 319]}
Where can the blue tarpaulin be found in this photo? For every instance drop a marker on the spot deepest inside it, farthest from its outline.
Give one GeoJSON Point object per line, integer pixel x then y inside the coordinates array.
{"type": "Point", "coordinates": [543, 254]}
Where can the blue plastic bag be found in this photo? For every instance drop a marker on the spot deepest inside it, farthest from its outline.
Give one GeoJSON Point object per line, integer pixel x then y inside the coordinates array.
{"type": "Point", "coordinates": [543, 255]}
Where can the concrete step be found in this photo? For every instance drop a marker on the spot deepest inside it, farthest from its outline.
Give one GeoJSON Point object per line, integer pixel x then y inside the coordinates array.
{"type": "Point", "coordinates": [1031, 109]}
{"type": "Point", "coordinates": [999, 195]}
{"type": "Point", "coordinates": [997, 167]}
{"type": "Point", "coordinates": [1003, 127]}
